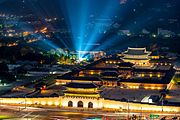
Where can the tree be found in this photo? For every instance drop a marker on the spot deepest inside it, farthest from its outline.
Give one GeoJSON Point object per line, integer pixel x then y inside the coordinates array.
{"type": "Point", "coordinates": [3, 67]}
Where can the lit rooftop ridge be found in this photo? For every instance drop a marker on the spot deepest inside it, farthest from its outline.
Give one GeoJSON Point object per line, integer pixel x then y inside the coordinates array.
{"type": "Point", "coordinates": [81, 89]}
{"type": "Point", "coordinates": [137, 51]}
{"type": "Point", "coordinates": [130, 48]}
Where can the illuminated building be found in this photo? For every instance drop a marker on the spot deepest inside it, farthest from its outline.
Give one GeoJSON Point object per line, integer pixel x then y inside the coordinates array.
{"type": "Point", "coordinates": [81, 95]}
{"type": "Point", "coordinates": [85, 103]}
{"type": "Point", "coordinates": [26, 33]}
{"type": "Point", "coordinates": [165, 33]}
{"type": "Point", "coordinates": [154, 55]}
{"type": "Point", "coordinates": [82, 87]}
{"type": "Point", "coordinates": [109, 78]}
{"type": "Point", "coordinates": [137, 56]}
{"type": "Point", "coordinates": [85, 96]}
{"type": "Point", "coordinates": [81, 90]}
{"type": "Point", "coordinates": [115, 72]}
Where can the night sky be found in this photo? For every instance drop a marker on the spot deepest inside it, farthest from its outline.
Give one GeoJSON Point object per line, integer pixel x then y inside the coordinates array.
{"type": "Point", "coordinates": [134, 15]}
{"type": "Point", "coordinates": [51, 8]}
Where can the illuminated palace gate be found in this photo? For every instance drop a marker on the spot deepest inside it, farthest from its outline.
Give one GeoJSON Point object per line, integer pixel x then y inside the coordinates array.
{"type": "Point", "coordinates": [81, 102]}
{"type": "Point", "coordinates": [81, 95]}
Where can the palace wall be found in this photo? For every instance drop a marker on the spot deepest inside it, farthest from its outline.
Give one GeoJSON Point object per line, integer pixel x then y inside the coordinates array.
{"type": "Point", "coordinates": [98, 103]}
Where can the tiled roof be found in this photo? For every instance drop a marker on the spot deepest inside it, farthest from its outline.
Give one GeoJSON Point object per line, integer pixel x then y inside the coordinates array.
{"type": "Point", "coordinates": [110, 79]}
{"type": "Point", "coordinates": [125, 64]}
{"type": "Point", "coordinates": [165, 80]}
{"type": "Point", "coordinates": [110, 73]}
{"type": "Point", "coordinates": [136, 51]}
{"type": "Point", "coordinates": [81, 85]}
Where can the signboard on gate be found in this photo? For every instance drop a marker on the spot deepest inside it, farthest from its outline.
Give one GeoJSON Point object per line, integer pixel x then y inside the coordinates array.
{"type": "Point", "coordinates": [153, 116]}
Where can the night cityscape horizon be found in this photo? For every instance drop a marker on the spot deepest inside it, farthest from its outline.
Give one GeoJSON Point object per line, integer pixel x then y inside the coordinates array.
{"type": "Point", "coordinates": [90, 59]}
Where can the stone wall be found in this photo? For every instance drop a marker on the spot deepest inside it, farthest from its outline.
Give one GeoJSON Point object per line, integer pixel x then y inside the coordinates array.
{"type": "Point", "coordinates": [98, 103]}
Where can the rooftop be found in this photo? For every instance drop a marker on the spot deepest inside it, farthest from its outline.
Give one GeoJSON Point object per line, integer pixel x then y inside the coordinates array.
{"type": "Point", "coordinates": [154, 53]}
{"type": "Point", "coordinates": [165, 80]}
{"type": "Point", "coordinates": [110, 73]}
{"type": "Point", "coordinates": [161, 60]}
{"type": "Point", "coordinates": [81, 85]}
{"type": "Point", "coordinates": [109, 79]}
{"type": "Point", "coordinates": [136, 51]}
{"type": "Point", "coordinates": [125, 64]}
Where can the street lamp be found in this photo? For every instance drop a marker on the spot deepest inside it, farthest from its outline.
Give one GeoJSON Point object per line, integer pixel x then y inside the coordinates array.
{"type": "Point", "coordinates": [128, 108]}
{"type": "Point", "coordinates": [25, 102]}
{"type": "Point", "coordinates": [141, 112]}
{"type": "Point", "coordinates": [162, 103]}
{"type": "Point", "coordinates": [0, 101]}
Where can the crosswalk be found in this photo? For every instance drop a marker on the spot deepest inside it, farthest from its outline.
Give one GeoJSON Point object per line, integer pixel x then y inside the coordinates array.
{"type": "Point", "coordinates": [59, 118]}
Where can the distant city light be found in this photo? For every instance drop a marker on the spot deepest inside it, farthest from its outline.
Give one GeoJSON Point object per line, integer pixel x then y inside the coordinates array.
{"type": "Point", "coordinates": [81, 59]}
{"type": "Point", "coordinates": [123, 1]}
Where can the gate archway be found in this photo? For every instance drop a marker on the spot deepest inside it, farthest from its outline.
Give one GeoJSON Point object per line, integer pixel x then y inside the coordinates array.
{"type": "Point", "coordinates": [80, 104]}
{"type": "Point", "coordinates": [90, 105]}
{"type": "Point", "coordinates": [70, 104]}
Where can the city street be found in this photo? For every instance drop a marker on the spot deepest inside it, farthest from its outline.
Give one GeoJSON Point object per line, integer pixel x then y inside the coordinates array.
{"type": "Point", "coordinates": [33, 113]}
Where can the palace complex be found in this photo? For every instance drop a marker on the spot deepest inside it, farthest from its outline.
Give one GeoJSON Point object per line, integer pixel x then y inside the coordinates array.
{"type": "Point", "coordinates": [135, 68]}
